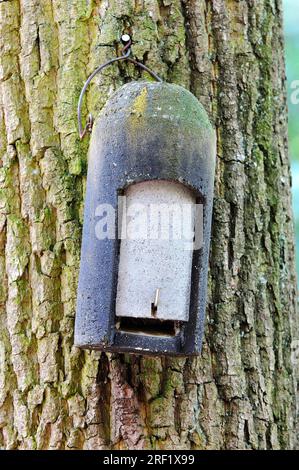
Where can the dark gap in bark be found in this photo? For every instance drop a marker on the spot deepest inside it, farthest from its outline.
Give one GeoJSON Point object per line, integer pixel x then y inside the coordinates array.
{"type": "Point", "coordinates": [128, 368]}
{"type": "Point", "coordinates": [38, 51]}
{"type": "Point", "coordinates": [177, 414]}
{"type": "Point", "coordinates": [232, 233]}
{"type": "Point", "coordinates": [104, 385]}
{"type": "Point", "coordinates": [164, 373]}
{"type": "Point", "coordinates": [246, 433]}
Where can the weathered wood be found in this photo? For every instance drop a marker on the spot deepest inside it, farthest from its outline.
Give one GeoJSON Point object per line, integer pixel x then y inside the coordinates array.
{"type": "Point", "coordinates": [242, 392]}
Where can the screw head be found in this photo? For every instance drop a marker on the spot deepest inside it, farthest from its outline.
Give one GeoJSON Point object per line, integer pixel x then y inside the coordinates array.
{"type": "Point", "coordinates": [125, 38]}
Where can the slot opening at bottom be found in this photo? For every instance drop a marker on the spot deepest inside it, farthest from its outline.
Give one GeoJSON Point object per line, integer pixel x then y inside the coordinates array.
{"type": "Point", "coordinates": [148, 326]}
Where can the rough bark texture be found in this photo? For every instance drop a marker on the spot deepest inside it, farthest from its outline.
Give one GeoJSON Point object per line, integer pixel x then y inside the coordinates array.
{"type": "Point", "coordinates": [241, 393]}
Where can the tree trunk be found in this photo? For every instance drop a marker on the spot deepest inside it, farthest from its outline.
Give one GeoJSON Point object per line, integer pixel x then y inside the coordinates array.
{"type": "Point", "coordinates": [241, 392]}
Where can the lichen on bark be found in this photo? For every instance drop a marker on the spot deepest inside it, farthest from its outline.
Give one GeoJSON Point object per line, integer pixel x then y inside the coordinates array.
{"type": "Point", "coordinates": [241, 392]}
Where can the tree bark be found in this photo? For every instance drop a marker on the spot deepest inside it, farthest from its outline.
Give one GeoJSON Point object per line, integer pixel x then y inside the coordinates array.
{"type": "Point", "coordinates": [241, 392]}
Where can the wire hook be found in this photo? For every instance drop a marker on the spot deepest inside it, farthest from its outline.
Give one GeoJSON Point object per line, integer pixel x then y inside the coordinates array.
{"type": "Point", "coordinates": [126, 52]}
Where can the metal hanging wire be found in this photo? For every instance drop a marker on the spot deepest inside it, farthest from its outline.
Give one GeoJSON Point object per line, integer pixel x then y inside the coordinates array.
{"type": "Point", "coordinates": [126, 52]}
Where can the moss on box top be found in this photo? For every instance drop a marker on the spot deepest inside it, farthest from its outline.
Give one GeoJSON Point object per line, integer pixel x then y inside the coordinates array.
{"type": "Point", "coordinates": [139, 102]}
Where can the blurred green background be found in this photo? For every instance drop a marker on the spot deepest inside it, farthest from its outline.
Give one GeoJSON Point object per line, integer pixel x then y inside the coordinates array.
{"type": "Point", "coordinates": [291, 26]}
